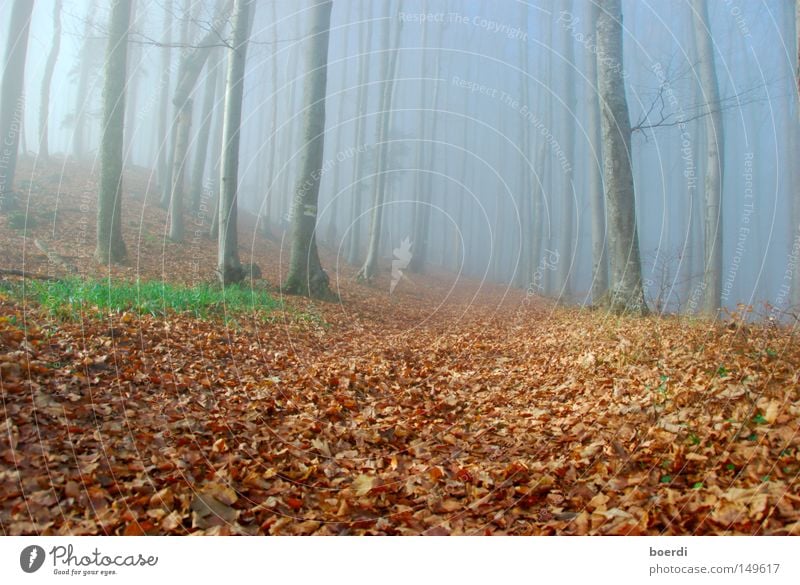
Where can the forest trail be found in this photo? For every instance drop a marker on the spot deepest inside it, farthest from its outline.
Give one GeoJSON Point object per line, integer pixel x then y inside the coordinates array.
{"type": "Point", "coordinates": [440, 409]}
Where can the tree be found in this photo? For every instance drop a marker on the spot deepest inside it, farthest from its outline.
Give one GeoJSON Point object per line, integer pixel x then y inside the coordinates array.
{"type": "Point", "coordinates": [388, 68]}
{"type": "Point", "coordinates": [229, 269]}
{"type": "Point", "coordinates": [599, 260]}
{"type": "Point", "coordinates": [626, 294]}
{"type": "Point", "coordinates": [12, 100]}
{"type": "Point", "coordinates": [164, 85]}
{"type": "Point", "coordinates": [110, 246]}
{"type": "Point", "coordinates": [88, 60]}
{"type": "Point", "coordinates": [189, 70]}
{"type": "Point", "coordinates": [712, 271]}
{"type": "Point", "coordinates": [364, 47]}
{"type": "Point", "coordinates": [566, 227]}
{"type": "Point", "coordinates": [306, 275]}
{"type": "Point", "coordinates": [47, 79]}
{"type": "Point", "coordinates": [198, 172]}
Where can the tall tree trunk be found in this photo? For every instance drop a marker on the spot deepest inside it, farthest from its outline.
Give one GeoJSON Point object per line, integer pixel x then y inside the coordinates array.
{"type": "Point", "coordinates": [12, 99]}
{"type": "Point", "coordinates": [132, 90]}
{"type": "Point", "coordinates": [229, 269]}
{"type": "Point", "coordinates": [712, 279]}
{"type": "Point", "coordinates": [273, 137]}
{"type": "Point", "coordinates": [567, 226]}
{"type": "Point", "coordinates": [388, 67]}
{"type": "Point", "coordinates": [598, 210]}
{"type": "Point", "coordinates": [306, 275]}
{"type": "Point", "coordinates": [626, 294]}
{"type": "Point", "coordinates": [47, 79]}
{"type": "Point", "coordinates": [82, 96]}
{"type": "Point", "coordinates": [421, 211]}
{"type": "Point", "coordinates": [365, 49]}
{"type": "Point", "coordinates": [203, 144]}
{"type": "Point", "coordinates": [163, 100]}
{"type": "Point", "coordinates": [110, 246]}
{"type": "Point", "coordinates": [189, 70]}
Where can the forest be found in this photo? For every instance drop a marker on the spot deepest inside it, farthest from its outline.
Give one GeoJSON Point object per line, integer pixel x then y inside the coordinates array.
{"type": "Point", "coordinates": [399, 267]}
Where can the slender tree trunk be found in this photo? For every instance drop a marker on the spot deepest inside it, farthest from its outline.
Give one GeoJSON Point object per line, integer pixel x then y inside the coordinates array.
{"type": "Point", "coordinates": [598, 210]}
{"type": "Point", "coordinates": [626, 294]}
{"type": "Point", "coordinates": [110, 246]}
{"type": "Point", "coordinates": [567, 223]}
{"type": "Point", "coordinates": [389, 64]}
{"type": "Point", "coordinates": [189, 70]}
{"type": "Point", "coordinates": [306, 275]}
{"type": "Point", "coordinates": [203, 144]}
{"type": "Point", "coordinates": [365, 46]}
{"type": "Point", "coordinates": [47, 79]}
{"type": "Point", "coordinates": [216, 153]}
{"type": "Point", "coordinates": [12, 99]}
{"type": "Point", "coordinates": [229, 269]}
{"type": "Point", "coordinates": [82, 97]}
{"type": "Point", "coordinates": [132, 90]}
{"type": "Point", "coordinates": [712, 280]}
{"type": "Point", "coordinates": [163, 100]}
{"type": "Point", "coordinates": [273, 137]}
{"type": "Point", "coordinates": [422, 205]}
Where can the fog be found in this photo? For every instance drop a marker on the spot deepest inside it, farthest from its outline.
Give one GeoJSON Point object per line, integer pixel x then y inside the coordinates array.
{"type": "Point", "coordinates": [492, 141]}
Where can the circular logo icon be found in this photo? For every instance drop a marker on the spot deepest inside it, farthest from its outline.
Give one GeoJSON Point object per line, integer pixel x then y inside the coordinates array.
{"type": "Point", "coordinates": [31, 558]}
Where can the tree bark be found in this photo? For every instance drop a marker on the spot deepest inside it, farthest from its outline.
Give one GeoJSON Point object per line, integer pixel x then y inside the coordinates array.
{"type": "Point", "coordinates": [163, 100]}
{"type": "Point", "coordinates": [110, 246]}
{"type": "Point", "coordinates": [712, 270]}
{"type": "Point", "coordinates": [189, 70]}
{"type": "Point", "coordinates": [388, 67]}
{"type": "Point", "coordinates": [365, 48]}
{"type": "Point", "coordinates": [626, 294]}
{"type": "Point", "coordinates": [203, 144]}
{"type": "Point", "coordinates": [82, 96]}
{"type": "Point", "coordinates": [598, 210]}
{"type": "Point", "coordinates": [229, 268]}
{"type": "Point", "coordinates": [306, 275]}
{"type": "Point", "coordinates": [12, 99]}
{"type": "Point", "coordinates": [47, 79]}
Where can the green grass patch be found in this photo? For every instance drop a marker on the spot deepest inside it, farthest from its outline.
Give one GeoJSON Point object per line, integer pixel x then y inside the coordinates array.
{"type": "Point", "coordinates": [73, 298]}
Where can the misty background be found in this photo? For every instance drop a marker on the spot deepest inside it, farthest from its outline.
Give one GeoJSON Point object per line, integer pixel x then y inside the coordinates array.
{"type": "Point", "coordinates": [473, 82]}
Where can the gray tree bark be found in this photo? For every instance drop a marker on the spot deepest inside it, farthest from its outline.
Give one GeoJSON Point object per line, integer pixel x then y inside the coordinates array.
{"type": "Point", "coordinates": [365, 48]}
{"type": "Point", "coordinates": [12, 98]}
{"type": "Point", "coordinates": [229, 268]}
{"type": "Point", "coordinates": [712, 271]}
{"type": "Point", "coordinates": [163, 100]}
{"type": "Point", "coordinates": [567, 223]}
{"type": "Point", "coordinates": [189, 70]}
{"type": "Point", "coordinates": [388, 67]}
{"type": "Point", "coordinates": [47, 79]}
{"type": "Point", "coordinates": [82, 96]}
{"type": "Point", "coordinates": [110, 246]}
{"type": "Point", "coordinates": [306, 275]}
{"type": "Point", "coordinates": [626, 294]}
{"type": "Point", "coordinates": [598, 210]}
{"type": "Point", "coordinates": [203, 144]}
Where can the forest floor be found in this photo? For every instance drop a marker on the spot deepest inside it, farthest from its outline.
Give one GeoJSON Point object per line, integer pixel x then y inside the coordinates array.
{"type": "Point", "coordinates": [448, 407]}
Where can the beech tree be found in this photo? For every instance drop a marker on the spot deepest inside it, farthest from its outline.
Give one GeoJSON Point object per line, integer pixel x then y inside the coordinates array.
{"type": "Point", "coordinates": [388, 69]}
{"type": "Point", "coordinates": [229, 268]}
{"type": "Point", "coordinates": [306, 275]}
{"type": "Point", "coordinates": [12, 101]}
{"type": "Point", "coordinates": [626, 294]}
{"type": "Point", "coordinates": [47, 79]}
{"type": "Point", "coordinates": [712, 270]}
{"type": "Point", "coordinates": [110, 245]}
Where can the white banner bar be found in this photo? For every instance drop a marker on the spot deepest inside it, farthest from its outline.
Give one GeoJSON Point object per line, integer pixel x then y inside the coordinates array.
{"type": "Point", "coordinates": [350, 560]}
